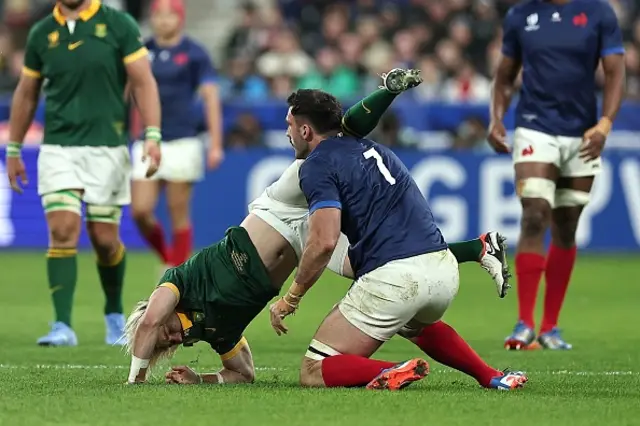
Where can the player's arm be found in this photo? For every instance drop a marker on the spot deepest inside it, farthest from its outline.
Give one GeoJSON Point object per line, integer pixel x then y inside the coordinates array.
{"type": "Point", "coordinates": [210, 94]}
{"type": "Point", "coordinates": [364, 116]}
{"type": "Point", "coordinates": [142, 84]}
{"type": "Point", "coordinates": [26, 96]}
{"type": "Point", "coordinates": [162, 304]}
{"type": "Point", "coordinates": [237, 368]}
{"type": "Point", "coordinates": [612, 53]}
{"type": "Point", "coordinates": [320, 187]}
{"type": "Point", "coordinates": [503, 85]}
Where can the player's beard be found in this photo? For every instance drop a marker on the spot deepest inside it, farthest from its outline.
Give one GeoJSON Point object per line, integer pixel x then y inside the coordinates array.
{"type": "Point", "coordinates": [72, 4]}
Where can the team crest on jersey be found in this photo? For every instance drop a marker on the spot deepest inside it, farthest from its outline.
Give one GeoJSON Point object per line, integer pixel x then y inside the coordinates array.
{"type": "Point", "coordinates": [101, 30]}
{"type": "Point", "coordinates": [532, 22]}
{"type": "Point", "coordinates": [54, 39]}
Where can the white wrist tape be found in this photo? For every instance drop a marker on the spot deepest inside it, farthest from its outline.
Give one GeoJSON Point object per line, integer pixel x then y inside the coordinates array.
{"type": "Point", "coordinates": [137, 364]}
{"type": "Point", "coordinates": [220, 378]}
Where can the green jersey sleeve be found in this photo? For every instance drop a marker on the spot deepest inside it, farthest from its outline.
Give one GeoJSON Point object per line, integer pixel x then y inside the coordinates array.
{"type": "Point", "coordinates": [130, 40]}
{"type": "Point", "coordinates": [32, 58]}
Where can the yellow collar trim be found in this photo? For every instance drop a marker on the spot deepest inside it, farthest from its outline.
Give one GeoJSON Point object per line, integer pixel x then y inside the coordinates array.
{"type": "Point", "coordinates": [85, 15]}
{"type": "Point", "coordinates": [184, 321]}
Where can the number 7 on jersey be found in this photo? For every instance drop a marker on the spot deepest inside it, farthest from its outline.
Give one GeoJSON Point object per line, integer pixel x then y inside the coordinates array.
{"type": "Point", "coordinates": [372, 153]}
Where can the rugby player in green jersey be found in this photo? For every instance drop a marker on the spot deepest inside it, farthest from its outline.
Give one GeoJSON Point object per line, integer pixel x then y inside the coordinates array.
{"type": "Point", "coordinates": [82, 55]}
{"type": "Point", "coordinates": [215, 294]}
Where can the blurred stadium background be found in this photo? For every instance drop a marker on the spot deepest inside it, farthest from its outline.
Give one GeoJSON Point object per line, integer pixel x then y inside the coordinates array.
{"type": "Point", "coordinates": [263, 49]}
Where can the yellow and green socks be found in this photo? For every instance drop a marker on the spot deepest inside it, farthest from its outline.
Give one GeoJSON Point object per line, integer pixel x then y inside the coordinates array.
{"type": "Point", "coordinates": [363, 117]}
{"type": "Point", "coordinates": [62, 272]}
{"type": "Point", "coordinates": [467, 251]}
{"type": "Point", "coordinates": [112, 280]}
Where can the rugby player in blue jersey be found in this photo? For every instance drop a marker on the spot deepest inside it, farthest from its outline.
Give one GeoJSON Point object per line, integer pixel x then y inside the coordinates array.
{"type": "Point", "coordinates": [183, 71]}
{"type": "Point", "coordinates": [558, 140]}
{"type": "Point", "coordinates": [405, 275]}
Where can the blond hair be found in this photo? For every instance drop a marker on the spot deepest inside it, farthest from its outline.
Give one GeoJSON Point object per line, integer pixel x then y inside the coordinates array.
{"type": "Point", "coordinates": [130, 328]}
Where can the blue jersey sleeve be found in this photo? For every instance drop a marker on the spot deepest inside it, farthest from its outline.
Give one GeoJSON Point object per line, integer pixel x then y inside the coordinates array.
{"type": "Point", "coordinates": [202, 67]}
{"type": "Point", "coordinates": [610, 34]}
{"type": "Point", "coordinates": [510, 42]}
{"type": "Point", "coordinates": [319, 184]}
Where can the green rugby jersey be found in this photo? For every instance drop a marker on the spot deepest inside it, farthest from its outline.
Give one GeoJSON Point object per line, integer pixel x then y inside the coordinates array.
{"type": "Point", "coordinates": [84, 74]}
{"type": "Point", "coordinates": [220, 290]}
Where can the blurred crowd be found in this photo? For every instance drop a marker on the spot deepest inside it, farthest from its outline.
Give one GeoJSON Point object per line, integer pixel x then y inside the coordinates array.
{"type": "Point", "coordinates": [342, 46]}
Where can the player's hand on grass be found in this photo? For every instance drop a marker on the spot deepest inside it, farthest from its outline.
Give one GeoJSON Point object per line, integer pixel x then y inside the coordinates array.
{"type": "Point", "coordinates": [152, 152]}
{"type": "Point", "coordinates": [15, 171]}
{"type": "Point", "coordinates": [183, 375]}
{"type": "Point", "coordinates": [278, 311]}
{"type": "Point", "coordinates": [498, 137]}
{"type": "Point", "coordinates": [214, 158]}
{"type": "Point", "coordinates": [592, 145]}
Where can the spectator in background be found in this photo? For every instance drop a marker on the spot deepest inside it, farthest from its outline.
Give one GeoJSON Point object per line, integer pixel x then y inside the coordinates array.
{"type": "Point", "coordinates": [248, 38]}
{"type": "Point", "coordinates": [282, 86]}
{"type": "Point", "coordinates": [245, 133]}
{"type": "Point", "coordinates": [632, 63]}
{"type": "Point", "coordinates": [390, 132]}
{"type": "Point", "coordinates": [431, 87]}
{"type": "Point", "coordinates": [331, 76]}
{"type": "Point", "coordinates": [285, 58]}
{"type": "Point", "coordinates": [241, 82]}
{"type": "Point", "coordinates": [350, 46]}
{"type": "Point", "coordinates": [467, 86]}
{"type": "Point", "coordinates": [449, 55]}
{"type": "Point", "coordinates": [471, 135]}
{"type": "Point", "coordinates": [406, 48]}
{"type": "Point", "coordinates": [9, 75]}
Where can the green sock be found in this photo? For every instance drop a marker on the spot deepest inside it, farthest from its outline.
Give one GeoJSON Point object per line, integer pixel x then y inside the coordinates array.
{"type": "Point", "coordinates": [363, 117]}
{"type": "Point", "coordinates": [467, 251]}
{"type": "Point", "coordinates": [112, 280]}
{"type": "Point", "coordinates": [62, 272]}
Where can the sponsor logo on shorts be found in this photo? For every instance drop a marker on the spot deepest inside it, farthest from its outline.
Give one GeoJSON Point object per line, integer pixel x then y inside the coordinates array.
{"type": "Point", "coordinates": [527, 151]}
{"type": "Point", "coordinates": [239, 260]}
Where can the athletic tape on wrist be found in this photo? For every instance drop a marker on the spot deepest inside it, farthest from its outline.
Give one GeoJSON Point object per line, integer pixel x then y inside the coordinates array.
{"type": "Point", "coordinates": [153, 133]}
{"type": "Point", "coordinates": [137, 364]}
{"type": "Point", "coordinates": [14, 149]}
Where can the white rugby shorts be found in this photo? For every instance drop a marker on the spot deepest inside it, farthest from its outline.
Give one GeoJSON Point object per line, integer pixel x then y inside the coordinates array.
{"type": "Point", "coordinates": [562, 151]}
{"type": "Point", "coordinates": [293, 224]}
{"type": "Point", "coordinates": [418, 289]}
{"type": "Point", "coordinates": [102, 173]}
{"type": "Point", "coordinates": [182, 161]}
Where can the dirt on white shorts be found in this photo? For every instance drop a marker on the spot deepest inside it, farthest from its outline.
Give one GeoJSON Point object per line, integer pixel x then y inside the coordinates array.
{"type": "Point", "coordinates": [419, 288]}
{"type": "Point", "coordinates": [563, 151]}
{"type": "Point", "coordinates": [102, 173]}
{"type": "Point", "coordinates": [182, 161]}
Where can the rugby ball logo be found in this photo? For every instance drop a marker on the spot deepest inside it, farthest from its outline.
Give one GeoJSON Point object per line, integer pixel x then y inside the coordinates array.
{"type": "Point", "coordinates": [532, 22]}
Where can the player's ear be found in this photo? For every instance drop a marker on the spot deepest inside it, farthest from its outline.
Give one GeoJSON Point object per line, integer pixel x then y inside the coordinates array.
{"type": "Point", "coordinates": [305, 131]}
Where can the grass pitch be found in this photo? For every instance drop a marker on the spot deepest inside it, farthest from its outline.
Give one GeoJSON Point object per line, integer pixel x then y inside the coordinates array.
{"type": "Point", "coordinates": [596, 383]}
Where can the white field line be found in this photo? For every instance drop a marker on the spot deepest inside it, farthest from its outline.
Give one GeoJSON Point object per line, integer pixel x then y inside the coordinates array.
{"type": "Point", "coordinates": [439, 371]}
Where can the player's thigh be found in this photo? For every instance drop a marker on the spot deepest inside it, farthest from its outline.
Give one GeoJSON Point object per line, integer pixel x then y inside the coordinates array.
{"type": "Point", "coordinates": [58, 170]}
{"type": "Point", "coordinates": [106, 175]}
{"type": "Point", "coordinates": [337, 335]}
{"type": "Point", "coordinates": [144, 198]}
{"type": "Point", "coordinates": [572, 195]}
{"type": "Point", "coordinates": [536, 158]}
{"type": "Point", "coordinates": [438, 286]}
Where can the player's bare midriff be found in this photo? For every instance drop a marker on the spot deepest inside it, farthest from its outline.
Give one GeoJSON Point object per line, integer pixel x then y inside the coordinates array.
{"type": "Point", "coordinates": [274, 250]}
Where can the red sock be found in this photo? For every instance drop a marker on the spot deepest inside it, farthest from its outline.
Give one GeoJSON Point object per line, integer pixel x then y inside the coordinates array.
{"type": "Point", "coordinates": [529, 269]}
{"type": "Point", "coordinates": [351, 370]}
{"type": "Point", "coordinates": [182, 243]}
{"type": "Point", "coordinates": [560, 263]}
{"type": "Point", "coordinates": [442, 343]}
{"type": "Point", "coordinates": [155, 239]}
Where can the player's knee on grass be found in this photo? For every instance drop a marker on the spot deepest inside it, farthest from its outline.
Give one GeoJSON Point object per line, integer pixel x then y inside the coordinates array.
{"type": "Point", "coordinates": [311, 373]}
{"type": "Point", "coordinates": [311, 369]}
